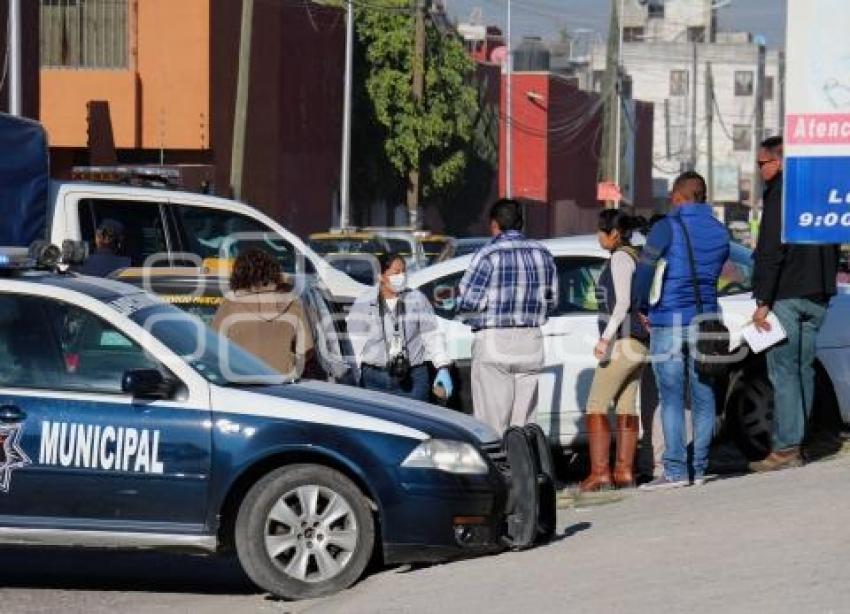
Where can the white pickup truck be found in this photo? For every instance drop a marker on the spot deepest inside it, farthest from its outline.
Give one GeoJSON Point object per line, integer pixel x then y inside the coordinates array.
{"type": "Point", "coordinates": [173, 228]}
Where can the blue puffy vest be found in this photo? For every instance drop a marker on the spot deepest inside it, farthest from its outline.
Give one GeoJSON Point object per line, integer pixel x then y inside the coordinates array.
{"type": "Point", "coordinates": [710, 241]}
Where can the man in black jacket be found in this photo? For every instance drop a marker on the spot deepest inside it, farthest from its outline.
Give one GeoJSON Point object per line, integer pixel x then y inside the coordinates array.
{"type": "Point", "coordinates": [795, 282]}
{"type": "Point", "coordinates": [106, 258]}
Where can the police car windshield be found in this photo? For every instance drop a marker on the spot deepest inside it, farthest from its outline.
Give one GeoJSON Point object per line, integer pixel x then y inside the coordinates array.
{"type": "Point", "coordinates": [218, 360]}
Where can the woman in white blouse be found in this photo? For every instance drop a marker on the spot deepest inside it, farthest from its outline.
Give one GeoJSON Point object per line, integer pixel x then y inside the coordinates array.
{"type": "Point", "coordinates": [394, 333]}
{"type": "Point", "coordinates": [621, 350]}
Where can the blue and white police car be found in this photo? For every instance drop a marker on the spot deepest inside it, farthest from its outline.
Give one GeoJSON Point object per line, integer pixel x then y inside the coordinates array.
{"type": "Point", "coordinates": [126, 423]}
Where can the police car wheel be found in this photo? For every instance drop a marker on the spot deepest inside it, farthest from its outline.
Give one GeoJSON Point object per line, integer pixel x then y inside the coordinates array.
{"type": "Point", "coordinates": [304, 531]}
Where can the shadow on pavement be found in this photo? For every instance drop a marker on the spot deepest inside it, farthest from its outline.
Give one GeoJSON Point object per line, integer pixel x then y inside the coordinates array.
{"type": "Point", "coordinates": [573, 530]}
{"type": "Point", "coordinates": [97, 570]}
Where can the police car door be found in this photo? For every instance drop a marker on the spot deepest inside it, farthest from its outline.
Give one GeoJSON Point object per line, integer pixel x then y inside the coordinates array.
{"type": "Point", "coordinates": [77, 452]}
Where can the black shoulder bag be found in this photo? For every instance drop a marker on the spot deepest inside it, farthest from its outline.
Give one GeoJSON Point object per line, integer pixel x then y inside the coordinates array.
{"type": "Point", "coordinates": [712, 344]}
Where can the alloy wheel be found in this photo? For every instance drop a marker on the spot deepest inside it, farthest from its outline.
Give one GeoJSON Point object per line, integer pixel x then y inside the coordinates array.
{"type": "Point", "coordinates": [311, 533]}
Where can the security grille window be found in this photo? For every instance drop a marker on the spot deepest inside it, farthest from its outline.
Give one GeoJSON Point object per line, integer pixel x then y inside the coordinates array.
{"type": "Point", "coordinates": [633, 34]}
{"type": "Point", "coordinates": [742, 137]}
{"type": "Point", "coordinates": [84, 33]}
{"type": "Point", "coordinates": [677, 136]}
{"type": "Point", "coordinates": [598, 80]}
{"type": "Point", "coordinates": [678, 82]}
{"type": "Point", "coordinates": [696, 34]}
{"type": "Point", "coordinates": [768, 88]}
{"type": "Point", "coordinates": [743, 83]}
{"type": "Point", "coordinates": [655, 9]}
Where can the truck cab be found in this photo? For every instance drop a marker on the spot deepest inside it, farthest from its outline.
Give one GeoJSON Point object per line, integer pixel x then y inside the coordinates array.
{"type": "Point", "coordinates": [173, 228]}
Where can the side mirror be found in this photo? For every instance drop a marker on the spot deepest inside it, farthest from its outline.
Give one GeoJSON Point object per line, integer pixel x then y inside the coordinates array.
{"type": "Point", "coordinates": [147, 384]}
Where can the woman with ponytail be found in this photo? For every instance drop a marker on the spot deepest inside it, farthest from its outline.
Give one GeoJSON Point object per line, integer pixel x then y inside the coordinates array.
{"type": "Point", "coordinates": [621, 350]}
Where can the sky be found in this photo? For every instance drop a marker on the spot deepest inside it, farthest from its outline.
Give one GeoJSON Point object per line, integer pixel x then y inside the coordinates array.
{"type": "Point", "coordinates": [547, 17]}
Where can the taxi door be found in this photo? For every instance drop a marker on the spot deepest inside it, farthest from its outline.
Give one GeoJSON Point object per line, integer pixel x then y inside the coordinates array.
{"type": "Point", "coordinates": [75, 452]}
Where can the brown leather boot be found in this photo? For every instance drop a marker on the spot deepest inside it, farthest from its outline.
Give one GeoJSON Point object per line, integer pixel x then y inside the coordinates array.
{"type": "Point", "coordinates": [627, 438]}
{"type": "Point", "coordinates": [780, 459]}
{"type": "Point", "coordinates": [599, 439]}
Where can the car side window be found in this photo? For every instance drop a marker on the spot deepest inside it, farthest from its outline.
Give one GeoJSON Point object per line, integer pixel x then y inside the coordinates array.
{"type": "Point", "coordinates": [578, 278]}
{"type": "Point", "coordinates": [208, 232]}
{"type": "Point", "coordinates": [49, 344]}
{"type": "Point", "coordinates": [30, 355]}
{"type": "Point", "coordinates": [442, 294]}
{"type": "Point", "coordinates": [144, 228]}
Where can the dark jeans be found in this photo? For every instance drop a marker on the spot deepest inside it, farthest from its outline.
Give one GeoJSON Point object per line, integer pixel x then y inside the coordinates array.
{"type": "Point", "coordinates": [379, 379]}
{"type": "Point", "coordinates": [791, 367]}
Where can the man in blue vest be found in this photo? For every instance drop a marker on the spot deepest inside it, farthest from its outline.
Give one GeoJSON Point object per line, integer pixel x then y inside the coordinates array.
{"type": "Point", "coordinates": [673, 322]}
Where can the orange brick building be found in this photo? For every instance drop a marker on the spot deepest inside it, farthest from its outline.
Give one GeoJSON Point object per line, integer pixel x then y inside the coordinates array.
{"type": "Point", "coordinates": [167, 70]}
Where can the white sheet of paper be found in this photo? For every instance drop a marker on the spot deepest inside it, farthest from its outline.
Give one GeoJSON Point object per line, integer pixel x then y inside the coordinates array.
{"type": "Point", "coordinates": [657, 281]}
{"type": "Point", "coordinates": [760, 341]}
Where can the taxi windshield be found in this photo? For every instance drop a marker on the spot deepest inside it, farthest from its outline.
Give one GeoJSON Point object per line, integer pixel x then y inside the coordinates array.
{"type": "Point", "coordinates": [346, 245]}
{"type": "Point", "coordinates": [217, 359]}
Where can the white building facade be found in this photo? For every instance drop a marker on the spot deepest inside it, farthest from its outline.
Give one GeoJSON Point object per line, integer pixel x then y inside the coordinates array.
{"type": "Point", "coordinates": [668, 49]}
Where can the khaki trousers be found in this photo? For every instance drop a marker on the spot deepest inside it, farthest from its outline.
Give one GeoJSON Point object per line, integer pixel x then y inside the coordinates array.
{"type": "Point", "coordinates": [506, 364]}
{"type": "Point", "coordinates": [617, 380]}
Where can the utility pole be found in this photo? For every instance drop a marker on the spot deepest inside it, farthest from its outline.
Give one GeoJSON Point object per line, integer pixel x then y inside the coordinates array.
{"type": "Point", "coordinates": [14, 38]}
{"type": "Point", "coordinates": [758, 123]}
{"type": "Point", "coordinates": [609, 170]}
{"type": "Point", "coordinates": [345, 166]}
{"type": "Point", "coordinates": [693, 161]}
{"type": "Point", "coordinates": [618, 100]}
{"type": "Point", "coordinates": [414, 188]}
{"type": "Point", "coordinates": [509, 106]}
{"type": "Point", "coordinates": [709, 126]}
{"type": "Point", "coordinates": [240, 115]}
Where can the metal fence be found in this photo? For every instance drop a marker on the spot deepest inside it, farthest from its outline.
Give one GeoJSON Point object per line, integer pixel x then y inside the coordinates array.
{"type": "Point", "coordinates": [84, 33]}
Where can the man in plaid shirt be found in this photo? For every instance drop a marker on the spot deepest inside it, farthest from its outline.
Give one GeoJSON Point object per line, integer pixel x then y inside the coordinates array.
{"type": "Point", "coordinates": [506, 296]}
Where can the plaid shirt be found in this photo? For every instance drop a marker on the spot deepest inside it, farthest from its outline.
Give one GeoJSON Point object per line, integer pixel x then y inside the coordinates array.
{"type": "Point", "coordinates": [511, 283]}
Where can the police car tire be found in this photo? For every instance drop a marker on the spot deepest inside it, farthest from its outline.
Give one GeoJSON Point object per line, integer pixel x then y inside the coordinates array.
{"type": "Point", "coordinates": [251, 527]}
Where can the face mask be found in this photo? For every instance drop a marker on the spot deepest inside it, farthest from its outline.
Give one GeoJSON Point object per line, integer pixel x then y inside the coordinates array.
{"type": "Point", "coordinates": [398, 282]}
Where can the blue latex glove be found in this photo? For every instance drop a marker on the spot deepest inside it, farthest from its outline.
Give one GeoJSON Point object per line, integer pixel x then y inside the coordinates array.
{"type": "Point", "coordinates": [444, 380]}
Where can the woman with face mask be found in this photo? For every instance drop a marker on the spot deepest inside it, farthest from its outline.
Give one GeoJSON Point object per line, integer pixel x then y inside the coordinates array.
{"type": "Point", "coordinates": [394, 333]}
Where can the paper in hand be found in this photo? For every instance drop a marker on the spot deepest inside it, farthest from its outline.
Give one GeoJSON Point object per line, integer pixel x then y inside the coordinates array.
{"type": "Point", "coordinates": [761, 340]}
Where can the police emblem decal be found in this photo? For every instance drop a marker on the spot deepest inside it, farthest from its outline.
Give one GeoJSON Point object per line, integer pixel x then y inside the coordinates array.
{"type": "Point", "coordinates": [12, 456]}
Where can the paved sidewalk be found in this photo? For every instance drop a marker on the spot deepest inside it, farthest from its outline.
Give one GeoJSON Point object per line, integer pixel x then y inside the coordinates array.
{"type": "Point", "coordinates": [759, 543]}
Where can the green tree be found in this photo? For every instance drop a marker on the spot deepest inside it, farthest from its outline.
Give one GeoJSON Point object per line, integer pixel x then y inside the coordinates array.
{"type": "Point", "coordinates": [434, 134]}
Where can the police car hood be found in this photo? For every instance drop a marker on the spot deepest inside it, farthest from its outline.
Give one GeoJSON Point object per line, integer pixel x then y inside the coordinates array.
{"type": "Point", "coordinates": [350, 407]}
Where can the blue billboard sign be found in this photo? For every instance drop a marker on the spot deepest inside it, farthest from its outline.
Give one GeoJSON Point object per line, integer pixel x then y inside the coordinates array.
{"type": "Point", "coordinates": [817, 200]}
{"type": "Point", "coordinates": [816, 193]}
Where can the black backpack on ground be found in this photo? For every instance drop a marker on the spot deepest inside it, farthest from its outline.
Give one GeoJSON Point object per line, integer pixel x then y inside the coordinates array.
{"type": "Point", "coordinates": [531, 510]}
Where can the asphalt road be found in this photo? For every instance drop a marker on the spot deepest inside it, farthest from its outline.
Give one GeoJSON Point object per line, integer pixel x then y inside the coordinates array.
{"type": "Point", "coordinates": [765, 543]}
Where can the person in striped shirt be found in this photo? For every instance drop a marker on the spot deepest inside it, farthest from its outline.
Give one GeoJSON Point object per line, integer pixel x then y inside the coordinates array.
{"type": "Point", "coordinates": [507, 295]}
